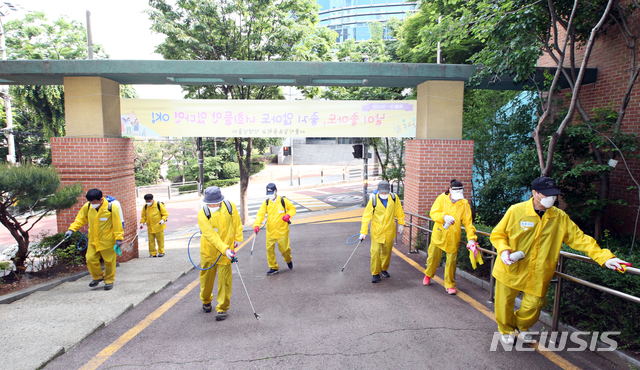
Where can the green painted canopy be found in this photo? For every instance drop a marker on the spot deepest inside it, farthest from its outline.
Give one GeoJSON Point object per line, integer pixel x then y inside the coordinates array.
{"type": "Point", "coordinates": [194, 72]}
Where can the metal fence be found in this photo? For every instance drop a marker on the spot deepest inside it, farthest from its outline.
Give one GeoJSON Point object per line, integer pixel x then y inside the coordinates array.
{"type": "Point", "coordinates": [166, 190]}
{"type": "Point", "coordinates": [559, 274]}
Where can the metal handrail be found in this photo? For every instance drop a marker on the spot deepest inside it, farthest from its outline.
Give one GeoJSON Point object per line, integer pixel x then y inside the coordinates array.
{"type": "Point", "coordinates": [558, 273]}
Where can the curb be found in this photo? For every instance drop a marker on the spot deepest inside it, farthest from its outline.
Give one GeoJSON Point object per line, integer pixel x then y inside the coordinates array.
{"type": "Point", "coordinates": [617, 357]}
{"type": "Point", "coordinates": [12, 297]}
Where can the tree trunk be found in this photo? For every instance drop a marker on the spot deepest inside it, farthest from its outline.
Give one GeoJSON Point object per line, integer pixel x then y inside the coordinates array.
{"type": "Point", "coordinates": [21, 237]}
{"type": "Point", "coordinates": [245, 168]}
{"type": "Point", "coordinates": [603, 195]}
{"type": "Point", "coordinates": [381, 164]}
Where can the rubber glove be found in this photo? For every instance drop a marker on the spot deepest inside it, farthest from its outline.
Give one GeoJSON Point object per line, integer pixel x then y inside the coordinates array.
{"type": "Point", "coordinates": [362, 236]}
{"type": "Point", "coordinates": [505, 257]}
{"type": "Point", "coordinates": [229, 253]}
{"type": "Point", "coordinates": [448, 221]}
{"type": "Point", "coordinates": [286, 218]}
{"type": "Point", "coordinates": [161, 222]}
{"type": "Point", "coordinates": [256, 229]}
{"type": "Point", "coordinates": [118, 247]}
{"type": "Point", "coordinates": [68, 234]}
{"type": "Point", "coordinates": [400, 229]}
{"type": "Point", "coordinates": [472, 245]}
{"type": "Point", "coordinates": [617, 264]}
{"type": "Point", "coordinates": [516, 256]}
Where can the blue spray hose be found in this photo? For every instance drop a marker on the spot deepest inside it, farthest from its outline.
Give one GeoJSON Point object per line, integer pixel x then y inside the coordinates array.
{"type": "Point", "coordinates": [84, 237]}
{"type": "Point", "coordinates": [189, 254]}
{"type": "Point", "coordinates": [348, 242]}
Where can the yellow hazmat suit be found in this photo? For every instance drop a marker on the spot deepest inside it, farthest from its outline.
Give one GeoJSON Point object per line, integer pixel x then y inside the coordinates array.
{"type": "Point", "coordinates": [277, 228]}
{"type": "Point", "coordinates": [448, 240]}
{"type": "Point", "coordinates": [105, 227]}
{"type": "Point", "coordinates": [152, 216]}
{"type": "Point", "coordinates": [218, 234]}
{"type": "Point", "coordinates": [521, 229]}
{"type": "Point", "coordinates": [383, 230]}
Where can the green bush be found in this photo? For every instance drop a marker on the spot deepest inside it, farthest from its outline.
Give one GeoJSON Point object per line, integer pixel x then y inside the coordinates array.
{"type": "Point", "coordinates": [420, 241]}
{"type": "Point", "coordinates": [256, 167]}
{"type": "Point", "coordinates": [187, 188]}
{"type": "Point", "coordinates": [274, 158]}
{"type": "Point", "coordinates": [230, 170]}
{"type": "Point", "coordinates": [67, 253]}
{"type": "Point", "coordinates": [223, 183]}
{"type": "Point", "coordinates": [592, 310]}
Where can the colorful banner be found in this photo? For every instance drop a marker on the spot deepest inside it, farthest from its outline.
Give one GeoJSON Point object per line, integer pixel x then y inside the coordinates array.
{"type": "Point", "coordinates": [267, 118]}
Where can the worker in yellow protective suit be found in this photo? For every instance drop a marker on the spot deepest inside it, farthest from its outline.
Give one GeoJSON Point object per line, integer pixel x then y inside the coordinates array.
{"type": "Point", "coordinates": [105, 232]}
{"type": "Point", "coordinates": [449, 213]}
{"type": "Point", "coordinates": [221, 230]}
{"type": "Point", "coordinates": [383, 209]}
{"type": "Point", "coordinates": [279, 211]}
{"type": "Point", "coordinates": [155, 215]}
{"type": "Point", "coordinates": [528, 240]}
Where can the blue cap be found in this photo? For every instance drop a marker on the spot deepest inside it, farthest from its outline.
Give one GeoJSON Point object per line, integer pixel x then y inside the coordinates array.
{"type": "Point", "coordinates": [271, 188]}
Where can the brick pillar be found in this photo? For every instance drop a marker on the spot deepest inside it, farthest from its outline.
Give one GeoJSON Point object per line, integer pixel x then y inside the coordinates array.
{"type": "Point", "coordinates": [431, 164]}
{"type": "Point", "coordinates": [103, 163]}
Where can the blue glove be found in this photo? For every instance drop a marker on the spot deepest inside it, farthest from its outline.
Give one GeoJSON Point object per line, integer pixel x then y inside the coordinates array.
{"type": "Point", "coordinates": [118, 247]}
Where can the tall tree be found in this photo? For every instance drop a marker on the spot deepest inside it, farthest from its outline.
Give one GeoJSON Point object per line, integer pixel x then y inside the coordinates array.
{"type": "Point", "coordinates": [39, 110]}
{"type": "Point", "coordinates": [275, 30]}
{"type": "Point", "coordinates": [564, 30]}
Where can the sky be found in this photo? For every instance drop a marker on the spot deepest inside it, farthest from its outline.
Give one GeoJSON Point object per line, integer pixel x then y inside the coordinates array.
{"type": "Point", "coordinates": [120, 26]}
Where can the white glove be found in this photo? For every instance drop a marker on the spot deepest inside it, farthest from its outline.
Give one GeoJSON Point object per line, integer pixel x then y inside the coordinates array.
{"type": "Point", "coordinates": [448, 221]}
{"type": "Point", "coordinates": [614, 264]}
{"type": "Point", "coordinates": [235, 244]}
{"type": "Point", "coordinates": [516, 256]}
{"type": "Point", "coordinates": [68, 234]}
{"type": "Point", "coordinates": [161, 222]}
{"type": "Point", "coordinates": [400, 229]}
{"type": "Point", "coordinates": [229, 253]}
{"type": "Point", "coordinates": [505, 257]}
{"type": "Point", "coordinates": [362, 236]}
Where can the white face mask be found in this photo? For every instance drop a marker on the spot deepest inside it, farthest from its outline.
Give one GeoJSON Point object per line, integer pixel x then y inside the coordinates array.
{"type": "Point", "coordinates": [213, 209]}
{"type": "Point", "coordinates": [96, 206]}
{"type": "Point", "coordinates": [149, 203]}
{"type": "Point", "coordinates": [457, 195]}
{"type": "Point", "coordinates": [548, 202]}
{"type": "Point", "coordinates": [272, 196]}
{"type": "Point", "coordinates": [383, 196]}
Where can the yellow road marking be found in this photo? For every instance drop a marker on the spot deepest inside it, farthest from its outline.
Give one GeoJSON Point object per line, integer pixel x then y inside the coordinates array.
{"type": "Point", "coordinates": [131, 333]}
{"type": "Point", "coordinates": [310, 202]}
{"type": "Point", "coordinates": [552, 356]}
{"type": "Point", "coordinates": [355, 213]}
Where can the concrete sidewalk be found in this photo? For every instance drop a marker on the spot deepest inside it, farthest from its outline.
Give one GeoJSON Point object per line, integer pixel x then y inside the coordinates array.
{"type": "Point", "coordinates": [40, 327]}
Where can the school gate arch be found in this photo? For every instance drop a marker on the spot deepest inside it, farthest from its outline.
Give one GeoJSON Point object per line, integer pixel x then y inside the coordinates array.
{"type": "Point", "coordinates": [94, 152]}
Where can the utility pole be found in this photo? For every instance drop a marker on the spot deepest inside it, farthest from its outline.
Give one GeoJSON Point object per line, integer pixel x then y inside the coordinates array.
{"type": "Point", "coordinates": [89, 38]}
{"type": "Point", "coordinates": [11, 157]}
{"type": "Point", "coordinates": [201, 165]}
{"type": "Point", "coordinates": [365, 175]}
